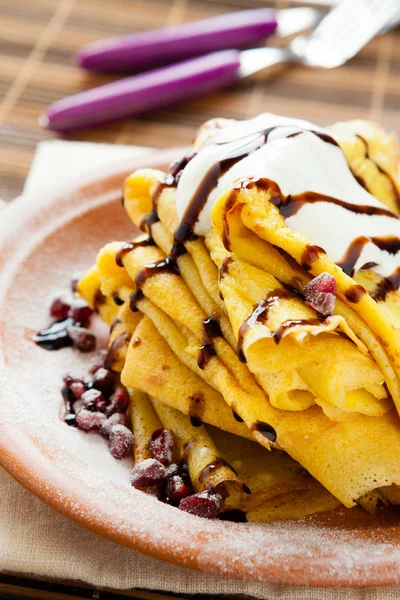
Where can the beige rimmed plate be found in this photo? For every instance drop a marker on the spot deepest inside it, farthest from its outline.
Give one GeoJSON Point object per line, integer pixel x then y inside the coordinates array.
{"type": "Point", "coordinates": [43, 241]}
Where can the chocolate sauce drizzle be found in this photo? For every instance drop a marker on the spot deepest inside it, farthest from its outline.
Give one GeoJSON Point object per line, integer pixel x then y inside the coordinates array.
{"type": "Point", "coordinates": [292, 324]}
{"type": "Point", "coordinates": [250, 144]}
{"type": "Point", "coordinates": [310, 255]}
{"type": "Point", "coordinates": [388, 284]}
{"type": "Point", "coordinates": [210, 469]}
{"type": "Point", "coordinates": [211, 330]}
{"type": "Point", "coordinates": [183, 234]}
{"type": "Point", "coordinates": [266, 430]}
{"type": "Point", "coordinates": [237, 417]}
{"type": "Point", "coordinates": [134, 298]}
{"type": "Point", "coordinates": [149, 220]}
{"type": "Point", "coordinates": [196, 409]}
{"type": "Point", "coordinates": [56, 336]}
{"type": "Point", "coordinates": [129, 246]}
{"type": "Point", "coordinates": [228, 260]}
{"type": "Point", "coordinates": [114, 324]}
{"type": "Point", "coordinates": [381, 170]}
{"type": "Point", "coordinates": [166, 265]}
{"type": "Point", "coordinates": [229, 204]}
{"type": "Point", "coordinates": [260, 315]}
{"type": "Point", "coordinates": [118, 301]}
{"type": "Point", "coordinates": [291, 204]}
{"type": "Point", "coordinates": [390, 244]}
{"type": "Point", "coordinates": [98, 299]}
{"type": "Point", "coordinates": [354, 293]}
{"type": "Point", "coordinates": [287, 206]}
{"type": "Point", "coordinates": [119, 342]}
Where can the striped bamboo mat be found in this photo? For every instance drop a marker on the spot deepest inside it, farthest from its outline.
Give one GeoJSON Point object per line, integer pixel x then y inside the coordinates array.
{"type": "Point", "coordinates": [38, 40]}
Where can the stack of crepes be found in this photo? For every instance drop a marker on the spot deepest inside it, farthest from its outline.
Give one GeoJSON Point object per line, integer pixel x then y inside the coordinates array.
{"type": "Point", "coordinates": [210, 324]}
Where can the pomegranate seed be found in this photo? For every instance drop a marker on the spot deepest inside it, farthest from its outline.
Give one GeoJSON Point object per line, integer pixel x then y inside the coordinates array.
{"type": "Point", "coordinates": [176, 489]}
{"type": "Point", "coordinates": [87, 420]}
{"type": "Point", "coordinates": [98, 362]}
{"type": "Point", "coordinates": [76, 385]}
{"type": "Point", "coordinates": [94, 400]}
{"type": "Point", "coordinates": [82, 338]}
{"type": "Point", "coordinates": [147, 473]}
{"type": "Point", "coordinates": [205, 504]}
{"type": "Point", "coordinates": [80, 311]}
{"type": "Point", "coordinates": [320, 294]}
{"type": "Point", "coordinates": [161, 445]}
{"type": "Point", "coordinates": [116, 419]}
{"type": "Point", "coordinates": [119, 401]}
{"type": "Point", "coordinates": [103, 380]}
{"type": "Point", "coordinates": [78, 388]}
{"type": "Point", "coordinates": [121, 440]}
{"type": "Point", "coordinates": [59, 308]}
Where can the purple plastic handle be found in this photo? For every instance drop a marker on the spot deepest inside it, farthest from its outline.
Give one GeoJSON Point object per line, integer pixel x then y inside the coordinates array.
{"type": "Point", "coordinates": [164, 46]}
{"type": "Point", "coordinates": [142, 93]}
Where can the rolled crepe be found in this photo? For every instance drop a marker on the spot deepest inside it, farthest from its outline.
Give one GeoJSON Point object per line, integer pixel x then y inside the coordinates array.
{"type": "Point", "coordinates": [89, 287]}
{"type": "Point", "coordinates": [293, 373]}
{"type": "Point", "coordinates": [156, 370]}
{"type": "Point", "coordinates": [258, 214]}
{"type": "Point", "coordinates": [294, 505]}
{"type": "Point", "coordinates": [218, 460]}
{"type": "Point", "coordinates": [144, 422]}
{"type": "Point", "coordinates": [337, 444]}
{"type": "Point", "coordinates": [147, 361]}
{"type": "Point", "coordinates": [354, 396]}
{"type": "Point", "coordinates": [121, 331]}
{"type": "Point", "coordinates": [272, 475]}
{"type": "Point", "coordinates": [268, 474]}
{"type": "Point", "coordinates": [373, 156]}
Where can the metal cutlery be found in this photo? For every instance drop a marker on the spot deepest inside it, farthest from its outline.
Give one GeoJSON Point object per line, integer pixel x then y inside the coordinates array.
{"type": "Point", "coordinates": [158, 47]}
{"type": "Point", "coordinates": [339, 36]}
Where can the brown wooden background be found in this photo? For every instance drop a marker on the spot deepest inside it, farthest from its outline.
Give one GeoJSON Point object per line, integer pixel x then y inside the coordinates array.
{"type": "Point", "coordinates": [38, 39]}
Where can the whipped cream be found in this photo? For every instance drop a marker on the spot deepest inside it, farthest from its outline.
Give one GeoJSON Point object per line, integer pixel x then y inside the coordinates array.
{"type": "Point", "coordinates": [298, 164]}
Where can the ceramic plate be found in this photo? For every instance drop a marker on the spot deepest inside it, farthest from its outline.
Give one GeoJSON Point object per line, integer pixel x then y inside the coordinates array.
{"type": "Point", "coordinates": [43, 241]}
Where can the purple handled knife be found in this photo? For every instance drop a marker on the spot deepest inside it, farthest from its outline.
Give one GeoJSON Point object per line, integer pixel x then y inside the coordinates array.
{"type": "Point", "coordinates": [178, 82]}
{"type": "Point", "coordinates": [138, 52]}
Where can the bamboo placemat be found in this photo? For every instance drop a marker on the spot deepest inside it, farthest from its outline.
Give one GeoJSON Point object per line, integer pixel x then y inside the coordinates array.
{"type": "Point", "coordinates": [38, 39]}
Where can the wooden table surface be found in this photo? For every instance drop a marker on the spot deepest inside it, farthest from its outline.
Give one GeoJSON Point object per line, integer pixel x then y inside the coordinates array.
{"type": "Point", "coordinates": [38, 39]}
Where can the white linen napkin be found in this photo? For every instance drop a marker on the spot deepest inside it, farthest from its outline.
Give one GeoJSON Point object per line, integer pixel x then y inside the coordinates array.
{"type": "Point", "coordinates": [37, 541]}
